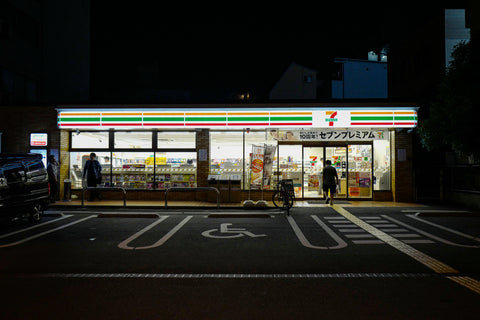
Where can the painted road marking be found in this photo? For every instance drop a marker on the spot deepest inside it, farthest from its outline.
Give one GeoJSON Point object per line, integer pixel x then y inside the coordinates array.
{"type": "Point", "coordinates": [421, 257]}
{"type": "Point", "coordinates": [368, 242]}
{"type": "Point", "coordinates": [418, 241]}
{"type": "Point", "coordinates": [431, 236]}
{"type": "Point", "coordinates": [358, 236]}
{"type": "Point", "coordinates": [468, 282]}
{"type": "Point", "coordinates": [46, 232]}
{"type": "Point", "coordinates": [124, 244]}
{"type": "Point", "coordinates": [393, 230]}
{"type": "Point", "coordinates": [33, 227]}
{"type": "Point", "coordinates": [351, 231]}
{"type": "Point", "coordinates": [304, 241]}
{"type": "Point", "coordinates": [229, 233]}
{"type": "Point", "coordinates": [432, 263]}
{"type": "Point", "coordinates": [383, 225]}
{"type": "Point", "coordinates": [444, 228]}
{"type": "Point", "coordinates": [405, 235]}
{"type": "Point", "coordinates": [345, 226]}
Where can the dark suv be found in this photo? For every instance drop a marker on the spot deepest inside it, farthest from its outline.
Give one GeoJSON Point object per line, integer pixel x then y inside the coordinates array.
{"type": "Point", "coordinates": [24, 188]}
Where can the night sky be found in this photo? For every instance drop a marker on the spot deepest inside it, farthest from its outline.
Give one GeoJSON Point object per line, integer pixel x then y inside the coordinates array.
{"type": "Point", "coordinates": [239, 46]}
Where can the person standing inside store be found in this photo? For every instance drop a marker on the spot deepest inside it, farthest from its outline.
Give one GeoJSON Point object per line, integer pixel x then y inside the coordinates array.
{"type": "Point", "coordinates": [329, 181]}
{"type": "Point", "coordinates": [53, 170]}
{"type": "Point", "coordinates": [93, 173]}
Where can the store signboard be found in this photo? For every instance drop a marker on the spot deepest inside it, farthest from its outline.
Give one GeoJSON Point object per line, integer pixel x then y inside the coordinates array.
{"type": "Point", "coordinates": [238, 118]}
{"type": "Point", "coordinates": [38, 139]}
{"type": "Point", "coordinates": [359, 134]}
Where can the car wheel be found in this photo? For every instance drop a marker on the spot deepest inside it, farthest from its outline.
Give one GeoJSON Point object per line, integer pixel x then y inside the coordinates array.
{"type": "Point", "coordinates": [36, 213]}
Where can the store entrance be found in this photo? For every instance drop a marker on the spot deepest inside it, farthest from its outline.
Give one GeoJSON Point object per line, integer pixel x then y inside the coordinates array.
{"type": "Point", "coordinates": [354, 168]}
{"type": "Point", "coordinates": [312, 168]}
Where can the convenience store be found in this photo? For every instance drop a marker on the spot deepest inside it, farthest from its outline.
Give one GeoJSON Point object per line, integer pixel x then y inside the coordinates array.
{"type": "Point", "coordinates": [151, 149]}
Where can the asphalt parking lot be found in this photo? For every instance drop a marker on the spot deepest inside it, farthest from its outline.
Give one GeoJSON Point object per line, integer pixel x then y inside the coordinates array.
{"type": "Point", "coordinates": [382, 261]}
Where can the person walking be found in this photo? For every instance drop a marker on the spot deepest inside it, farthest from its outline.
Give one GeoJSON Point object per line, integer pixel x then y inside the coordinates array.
{"type": "Point", "coordinates": [53, 171]}
{"type": "Point", "coordinates": [329, 181]}
{"type": "Point", "coordinates": [92, 171]}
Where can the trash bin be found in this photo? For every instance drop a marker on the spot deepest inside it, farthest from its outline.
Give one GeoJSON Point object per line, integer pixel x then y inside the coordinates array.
{"type": "Point", "coordinates": [67, 190]}
{"type": "Point", "coordinates": [235, 189]}
{"type": "Point", "coordinates": [224, 188]}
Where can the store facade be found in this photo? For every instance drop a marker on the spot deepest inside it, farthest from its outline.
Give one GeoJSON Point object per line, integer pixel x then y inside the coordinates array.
{"type": "Point", "coordinates": [146, 150]}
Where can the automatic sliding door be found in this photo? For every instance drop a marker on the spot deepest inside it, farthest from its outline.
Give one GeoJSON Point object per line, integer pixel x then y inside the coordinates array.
{"type": "Point", "coordinates": [312, 167]}
{"type": "Point", "coordinates": [338, 156]}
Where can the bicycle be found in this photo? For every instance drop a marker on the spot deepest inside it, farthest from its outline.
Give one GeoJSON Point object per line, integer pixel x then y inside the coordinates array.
{"type": "Point", "coordinates": [284, 197]}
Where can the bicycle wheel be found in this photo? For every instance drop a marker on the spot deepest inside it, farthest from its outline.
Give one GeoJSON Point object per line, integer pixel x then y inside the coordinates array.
{"type": "Point", "coordinates": [277, 199]}
{"type": "Point", "coordinates": [292, 199]}
{"type": "Point", "coordinates": [287, 203]}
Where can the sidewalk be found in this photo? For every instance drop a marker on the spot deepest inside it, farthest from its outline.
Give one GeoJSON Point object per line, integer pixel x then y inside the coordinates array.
{"type": "Point", "coordinates": [201, 204]}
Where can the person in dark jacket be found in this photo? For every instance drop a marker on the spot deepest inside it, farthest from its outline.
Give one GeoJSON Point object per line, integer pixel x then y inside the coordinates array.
{"type": "Point", "coordinates": [330, 181]}
{"type": "Point", "coordinates": [92, 171]}
{"type": "Point", "coordinates": [53, 170]}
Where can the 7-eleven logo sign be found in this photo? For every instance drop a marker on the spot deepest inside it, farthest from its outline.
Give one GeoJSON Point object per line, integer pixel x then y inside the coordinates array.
{"type": "Point", "coordinates": [331, 117]}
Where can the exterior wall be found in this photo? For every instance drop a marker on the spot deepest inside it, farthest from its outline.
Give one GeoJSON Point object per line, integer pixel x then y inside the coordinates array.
{"type": "Point", "coordinates": [17, 123]}
{"type": "Point", "coordinates": [203, 167]}
{"type": "Point", "coordinates": [64, 159]}
{"type": "Point", "coordinates": [361, 80]}
{"type": "Point", "coordinates": [402, 175]}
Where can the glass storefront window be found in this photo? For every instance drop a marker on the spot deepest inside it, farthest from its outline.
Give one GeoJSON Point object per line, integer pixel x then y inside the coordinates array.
{"type": "Point", "coordinates": [290, 165]}
{"type": "Point", "coordinates": [360, 171]}
{"type": "Point", "coordinates": [77, 163]}
{"type": "Point", "coordinates": [96, 140]}
{"type": "Point", "coordinates": [175, 169]}
{"type": "Point", "coordinates": [226, 153]}
{"type": "Point", "coordinates": [381, 166]}
{"type": "Point", "coordinates": [133, 140]}
{"type": "Point", "coordinates": [132, 170]}
{"type": "Point", "coordinates": [176, 140]}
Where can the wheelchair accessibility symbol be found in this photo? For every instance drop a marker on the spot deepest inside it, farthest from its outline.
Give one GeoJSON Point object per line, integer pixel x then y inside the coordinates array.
{"type": "Point", "coordinates": [228, 233]}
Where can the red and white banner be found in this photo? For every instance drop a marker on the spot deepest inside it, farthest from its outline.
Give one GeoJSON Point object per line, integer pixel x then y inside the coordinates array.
{"type": "Point", "coordinates": [256, 167]}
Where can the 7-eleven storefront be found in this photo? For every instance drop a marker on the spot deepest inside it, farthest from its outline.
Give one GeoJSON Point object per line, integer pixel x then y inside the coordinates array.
{"type": "Point", "coordinates": [147, 150]}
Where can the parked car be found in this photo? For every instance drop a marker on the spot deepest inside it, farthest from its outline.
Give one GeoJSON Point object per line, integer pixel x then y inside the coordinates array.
{"type": "Point", "coordinates": [24, 187]}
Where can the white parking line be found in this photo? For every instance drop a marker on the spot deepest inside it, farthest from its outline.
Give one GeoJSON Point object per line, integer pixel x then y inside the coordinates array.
{"type": "Point", "coordinates": [368, 242]}
{"type": "Point", "coordinates": [304, 241]}
{"type": "Point", "coordinates": [359, 236]}
{"type": "Point", "coordinates": [345, 226]}
{"type": "Point", "coordinates": [431, 236]}
{"type": "Point", "coordinates": [393, 229]}
{"type": "Point", "coordinates": [419, 256]}
{"type": "Point", "coordinates": [34, 227]}
{"type": "Point", "coordinates": [124, 244]}
{"type": "Point", "coordinates": [445, 228]}
{"type": "Point", "coordinates": [384, 225]}
{"type": "Point", "coordinates": [46, 232]}
{"type": "Point", "coordinates": [418, 241]}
